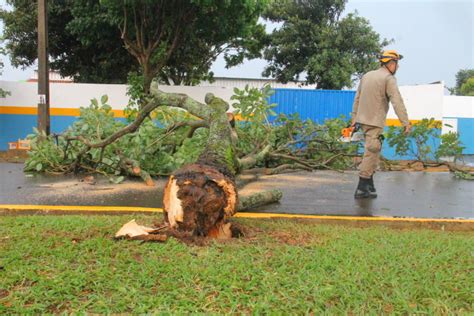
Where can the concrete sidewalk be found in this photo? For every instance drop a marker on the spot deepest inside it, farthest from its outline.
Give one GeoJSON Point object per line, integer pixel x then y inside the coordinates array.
{"type": "Point", "coordinates": [401, 194]}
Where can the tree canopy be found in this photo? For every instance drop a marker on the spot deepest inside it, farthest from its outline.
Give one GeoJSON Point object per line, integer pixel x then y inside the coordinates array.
{"type": "Point", "coordinates": [103, 40]}
{"type": "Point", "coordinates": [463, 82]}
{"type": "Point", "coordinates": [82, 43]}
{"type": "Point", "coordinates": [3, 93]}
{"type": "Point", "coordinates": [177, 41]}
{"type": "Point", "coordinates": [468, 87]}
{"type": "Point", "coordinates": [315, 45]}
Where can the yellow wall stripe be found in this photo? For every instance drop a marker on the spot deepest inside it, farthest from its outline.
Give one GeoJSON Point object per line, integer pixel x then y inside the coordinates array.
{"type": "Point", "coordinates": [69, 208]}
{"type": "Point", "coordinates": [396, 122]}
{"type": "Point", "coordinates": [53, 111]}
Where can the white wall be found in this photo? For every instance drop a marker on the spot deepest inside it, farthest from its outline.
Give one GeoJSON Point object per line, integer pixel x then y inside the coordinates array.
{"type": "Point", "coordinates": [74, 95]}
{"type": "Point", "coordinates": [421, 101]}
{"type": "Point", "coordinates": [254, 83]}
{"type": "Point", "coordinates": [457, 106]}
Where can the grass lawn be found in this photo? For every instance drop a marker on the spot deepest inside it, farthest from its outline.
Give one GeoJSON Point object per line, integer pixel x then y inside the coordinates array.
{"type": "Point", "coordinates": [54, 264]}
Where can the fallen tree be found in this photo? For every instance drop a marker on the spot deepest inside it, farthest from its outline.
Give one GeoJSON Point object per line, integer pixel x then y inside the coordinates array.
{"type": "Point", "coordinates": [200, 195]}
{"type": "Point", "coordinates": [171, 131]}
{"type": "Point", "coordinates": [199, 198]}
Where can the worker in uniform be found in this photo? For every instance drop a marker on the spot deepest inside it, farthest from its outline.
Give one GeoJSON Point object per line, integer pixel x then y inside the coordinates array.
{"type": "Point", "coordinates": [376, 89]}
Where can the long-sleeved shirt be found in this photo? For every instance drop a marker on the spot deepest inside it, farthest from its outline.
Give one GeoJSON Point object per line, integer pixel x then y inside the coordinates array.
{"type": "Point", "coordinates": [376, 89]}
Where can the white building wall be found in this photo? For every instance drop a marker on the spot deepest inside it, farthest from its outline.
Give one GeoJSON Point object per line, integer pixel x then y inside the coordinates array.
{"type": "Point", "coordinates": [421, 101]}
{"type": "Point", "coordinates": [254, 83]}
{"type": "Point", "coordinates": [458, 106]}
{"type": "Point", "coordinates": [74, 95]}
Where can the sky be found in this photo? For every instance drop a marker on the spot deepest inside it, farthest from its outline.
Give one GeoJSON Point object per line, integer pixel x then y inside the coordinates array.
{"type": "Point", "coordinates": [436, 38]}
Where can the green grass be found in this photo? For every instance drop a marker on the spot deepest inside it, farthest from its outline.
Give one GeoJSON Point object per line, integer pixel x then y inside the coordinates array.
{"type": "Point", "coordinates": [54, 264]}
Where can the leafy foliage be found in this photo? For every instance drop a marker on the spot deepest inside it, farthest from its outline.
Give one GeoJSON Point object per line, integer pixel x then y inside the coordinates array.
{"type": "Point", "coordinates": [464, 175]}
{"type": "Point", "coordinates": [450, 146]}
{"type": "Point", "coordinates": [3, 93]}
{"type": "Point", "coordinates": [468, 87]}
{"type": "Point", "coordinates": [174, 40]}
{"type": "Point", "coordinates": [164, 143]}
{"type": "Point", "coordinates": [317, 143]}
{"type": "Point", "coordinates": [251, 106]}
{"type": "Point", "coordinates": [306, 142]}
{"type": "Point", "coordinates": [152, 146]}
{"type": "Point", "coordinates": [462, 76]}
{"type": "Point", "coordinates": [420, 142]}
{"type": "Point", "coordinates": [82, 43]}
{"type": "Point", "coordinates": [313, 41]}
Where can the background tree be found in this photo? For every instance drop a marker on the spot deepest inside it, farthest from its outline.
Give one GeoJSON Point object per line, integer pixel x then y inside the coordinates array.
{"type": "Point", "coordinates": [153, 31]}
{"type": "Point", "coordinates": [104, 40]}
{"type": "Point", "coordinates": [467, 87]}
{"type": "Point", "coordinates": [82, 43]}
{"type": "Point", "coordinates": [316, 44]}
{"type": "Point", "coordinates": [3, 93]}
{"type": "Point", "coordinates": [462, 77]}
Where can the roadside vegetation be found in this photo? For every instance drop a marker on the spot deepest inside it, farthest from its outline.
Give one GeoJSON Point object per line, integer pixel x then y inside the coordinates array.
{"type": "Point", "coordinates": [170, 138]}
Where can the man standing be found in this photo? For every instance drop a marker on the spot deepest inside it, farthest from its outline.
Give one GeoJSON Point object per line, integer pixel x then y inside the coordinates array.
{"type": "Point", "coordinates": [376, 89]}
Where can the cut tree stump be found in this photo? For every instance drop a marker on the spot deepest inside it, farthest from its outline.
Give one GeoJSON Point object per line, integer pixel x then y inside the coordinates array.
{"type": "Point", "coordinates": [199, 198]}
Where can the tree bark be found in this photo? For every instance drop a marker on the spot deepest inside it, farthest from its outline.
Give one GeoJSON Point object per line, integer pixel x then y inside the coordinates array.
{"type": "Point", "coordinates": [259, 199]}
{"type": "Point", "coordinates": [200, 198]}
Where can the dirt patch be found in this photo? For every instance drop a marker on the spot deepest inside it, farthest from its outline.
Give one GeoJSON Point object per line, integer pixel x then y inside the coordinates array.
{"type": "Point", "coordinates": [4, 293]}
{"type": "Point", "coordinates": [15, 156]}
{"type": "Point", "coordinates": [80, 187]}
{"type": "Point", "coordinates": [415, 165]}
{"type": "Point", "coordinates": [402, 225]}
{"type": "Point", "coordinates": [292, 239]}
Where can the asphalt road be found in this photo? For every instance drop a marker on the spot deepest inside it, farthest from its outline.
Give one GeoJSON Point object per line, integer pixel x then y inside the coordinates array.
{"type": "Point", "coordinates": [400, 194]}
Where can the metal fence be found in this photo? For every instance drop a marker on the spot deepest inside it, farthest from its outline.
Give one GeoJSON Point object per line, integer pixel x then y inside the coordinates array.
{"type": "Point", "coordinates": [317, 105]}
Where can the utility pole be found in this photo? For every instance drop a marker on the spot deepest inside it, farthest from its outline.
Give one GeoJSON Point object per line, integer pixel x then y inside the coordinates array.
{"type": "Point", "coordinates": [43, 68]}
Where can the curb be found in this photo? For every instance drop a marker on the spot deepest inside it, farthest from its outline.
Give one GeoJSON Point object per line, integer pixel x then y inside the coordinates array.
{"type": "Point", "coordinates": [13, 208]}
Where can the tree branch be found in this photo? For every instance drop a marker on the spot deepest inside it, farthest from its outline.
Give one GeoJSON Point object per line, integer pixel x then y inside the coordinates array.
{"type": "Point", "coordinates": [250, 161]}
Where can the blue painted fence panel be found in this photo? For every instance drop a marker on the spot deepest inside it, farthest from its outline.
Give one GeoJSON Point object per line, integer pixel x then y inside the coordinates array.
{"type": "Point", "coordinates": [316, 105]}
{"type": "Point", "coordinates": [18, 126]}
{"type": "Point", "coordinates": [319, 105]}
{"type": "Point", "coordinates": [466, 134]}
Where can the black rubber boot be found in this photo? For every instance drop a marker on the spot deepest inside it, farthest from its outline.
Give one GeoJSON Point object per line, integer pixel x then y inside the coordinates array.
{"type": "Point", "coordinates": [363, 190]}
{"type": "Point", "coordinates": [371, 185]}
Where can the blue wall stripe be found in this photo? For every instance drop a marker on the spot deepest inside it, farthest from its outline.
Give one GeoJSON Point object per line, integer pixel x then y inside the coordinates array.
{"type": "Point", "coordinates": [18, 126]}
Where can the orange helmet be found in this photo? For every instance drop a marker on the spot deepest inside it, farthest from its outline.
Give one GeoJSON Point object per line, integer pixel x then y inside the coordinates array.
{"type": "Point", "coordinates": [389, 55]}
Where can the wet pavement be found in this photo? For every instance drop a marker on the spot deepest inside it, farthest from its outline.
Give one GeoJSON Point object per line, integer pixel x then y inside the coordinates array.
{"type": "Point", "coordinates": [17, 187]}
{"type": "Point", "coordinates": [400, 194]}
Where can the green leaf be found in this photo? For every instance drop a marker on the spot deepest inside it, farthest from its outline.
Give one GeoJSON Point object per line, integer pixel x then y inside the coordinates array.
{"type": "Point", "coordinates": [104, 99]}
{"type": "Point", "coordinates": [117, 180]}
{"type": "Point", "coordinates": [39, 167]}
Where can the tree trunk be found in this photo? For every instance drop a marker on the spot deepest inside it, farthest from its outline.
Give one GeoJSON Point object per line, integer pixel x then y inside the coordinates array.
{"type": "Point", "coordinates": [147, 77]}
{"type": "Point", "coordinates": [199, 198]}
